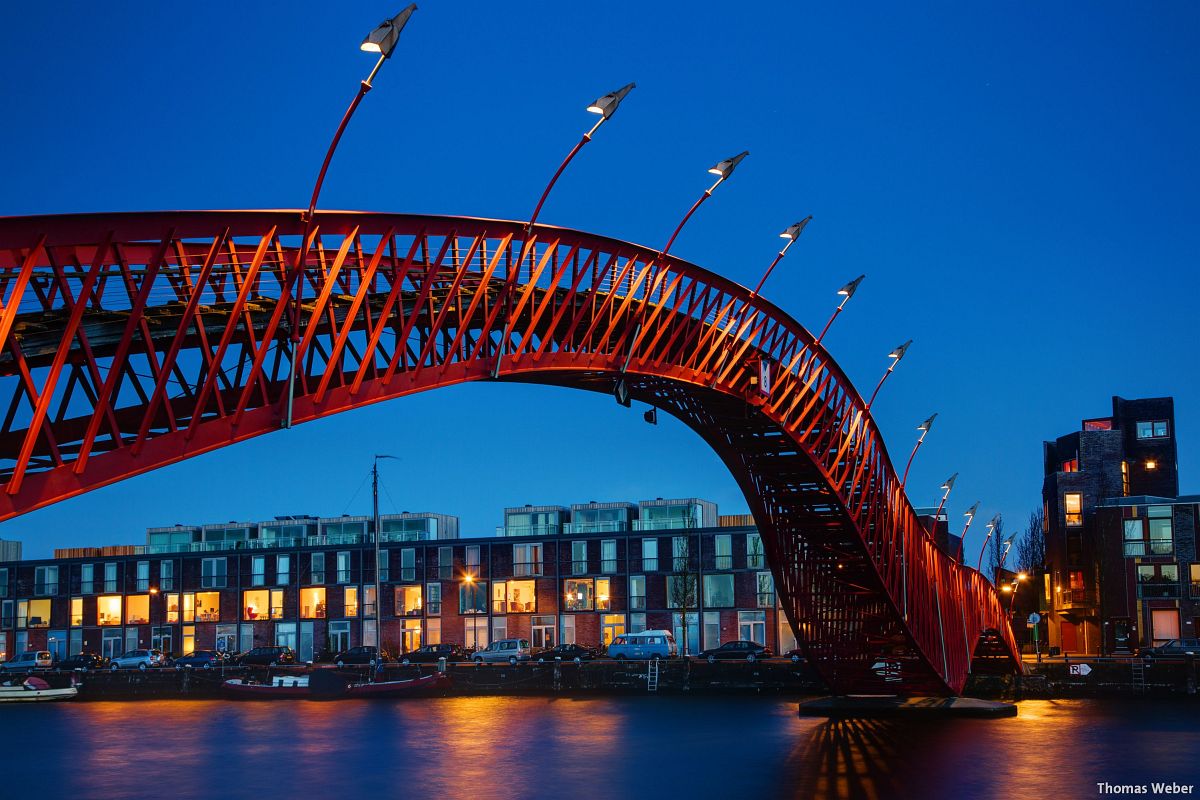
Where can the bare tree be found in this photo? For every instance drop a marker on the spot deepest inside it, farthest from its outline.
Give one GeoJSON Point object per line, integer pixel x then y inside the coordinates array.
{"type": "Point", "coordinates": [1031, 549]}
{"type": "Point", "coordinates": [682, 593]}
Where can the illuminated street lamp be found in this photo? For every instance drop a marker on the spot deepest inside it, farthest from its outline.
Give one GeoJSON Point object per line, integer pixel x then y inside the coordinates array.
{"type": "Point", "coordinates": [846, 292]}
{"type": "Point", "coordinates": [896, 354]}
{"type": "Point", "coordinates": [605, 106]}
{"type": "Point", "coordinates": [947, 485]}
{"type": "Point", "coordinates": [970, 515]}
{"type": "Point", "coordinates": [382, 40]}
{"type": "Point", "coordinates": [924, 428]}
{"type": "Point", "coordinates": [1007, 546]}
{"type": "Point", "coordinates": [991, 528]}
{"type": "Point", "coordinates": [722, 169]}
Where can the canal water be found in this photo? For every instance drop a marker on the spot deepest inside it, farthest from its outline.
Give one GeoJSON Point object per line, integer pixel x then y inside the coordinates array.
{"type": "Point", "coordinates": [624, 747]}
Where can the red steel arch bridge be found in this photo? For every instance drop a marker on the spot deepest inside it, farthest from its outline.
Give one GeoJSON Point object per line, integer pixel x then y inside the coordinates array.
{"type": "Point", "coordinates": [130, 341]}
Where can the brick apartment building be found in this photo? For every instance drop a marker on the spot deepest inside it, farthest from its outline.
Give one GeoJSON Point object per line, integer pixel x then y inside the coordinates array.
{"type": "Point", "coordinates": [583, 573]}
{"type": "Point", "coordinates": [1121, 559]}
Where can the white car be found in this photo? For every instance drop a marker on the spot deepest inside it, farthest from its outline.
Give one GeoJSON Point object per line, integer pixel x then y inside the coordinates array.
{"type": "Point", "coordinates": [141, 659]}
{"type": "Point", "coordinates": [28, 661]}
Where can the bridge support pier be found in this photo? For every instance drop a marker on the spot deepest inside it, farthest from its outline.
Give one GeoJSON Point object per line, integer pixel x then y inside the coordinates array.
{"type": "Point", "coordinates": [850, 707]}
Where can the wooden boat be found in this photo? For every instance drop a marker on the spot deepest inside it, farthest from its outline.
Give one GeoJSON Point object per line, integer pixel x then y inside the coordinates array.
{"type": "Point", "coordinates": [278, 687]}
{"type": "Point", "coordinates": [406, 688]}
{"type": "Point", "coordinates": [35, 690]}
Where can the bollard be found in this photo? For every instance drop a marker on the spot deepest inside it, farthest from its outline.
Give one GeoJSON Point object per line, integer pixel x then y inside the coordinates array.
{"type": "Point", "coordinates": [442, 665]}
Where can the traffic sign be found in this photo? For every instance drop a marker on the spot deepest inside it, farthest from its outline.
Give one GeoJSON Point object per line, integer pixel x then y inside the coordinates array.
{"type": "Point", "coordinates": [1035, 618]}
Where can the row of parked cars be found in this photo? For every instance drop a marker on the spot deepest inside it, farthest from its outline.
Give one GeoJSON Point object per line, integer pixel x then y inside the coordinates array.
{"type": "Point", "coordinates": [643, 646]}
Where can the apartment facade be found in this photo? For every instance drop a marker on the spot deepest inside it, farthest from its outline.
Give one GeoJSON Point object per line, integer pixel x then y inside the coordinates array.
{"type": "Point", "coordinates": [584, 573]}
{"type": "Point", "coordinates": [1121, 569]}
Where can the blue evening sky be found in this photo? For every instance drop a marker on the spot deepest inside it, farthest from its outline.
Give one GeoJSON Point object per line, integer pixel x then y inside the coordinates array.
{"type": "Point", "coordinates": [1018, 182]}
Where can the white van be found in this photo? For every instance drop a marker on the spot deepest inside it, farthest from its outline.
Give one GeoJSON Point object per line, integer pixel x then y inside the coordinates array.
{"type": "Point", "coordinates": [645, 645]}
{"type": "Point", "coordinates": [29, 661]}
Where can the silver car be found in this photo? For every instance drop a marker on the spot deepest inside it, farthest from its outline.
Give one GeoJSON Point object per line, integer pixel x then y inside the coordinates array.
{"type": "Point", "coordinates": [141, 659]}
{"type": "Point", "coordinates": [510, 650]}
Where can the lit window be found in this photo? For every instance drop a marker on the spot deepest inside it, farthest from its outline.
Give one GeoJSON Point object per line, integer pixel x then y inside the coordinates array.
{"type": "Point", "coordinates": [351, 608]}
{"type": "Point", "coordinates": [108, 610]}
{"type": "Point", "coordinates": [1073, 508]}
{"type": "Point", "coordinates": [603, 595]}
{"type": "Point", "coordinates": [76, 612]}
{"type": "Point", "coordinates": [577, 594]}
{"type": "Point", "coordinates": [472, 599]}
{"type": "Point", "coordinates": [1071, 465]}
{"type": "Point", "coordinates": [312, 602]}
{"type": "Point", "coordinates": [256, 604]}
{"type": "Point", "coordinates": [208, 606]}
{"type": "Point", "coordinates": [137, 609]}
{"type": "Point", "coordinates": [1125, 479]}
{"type": "Point", "coordinates": [408, 600]}
{"type": "Point", "coordinates": [1097, 425]}
{"type": "Point", "coordinates": [1151, 464]}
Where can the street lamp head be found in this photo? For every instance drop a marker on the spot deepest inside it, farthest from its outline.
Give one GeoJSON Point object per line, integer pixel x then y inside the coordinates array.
{"type": "Point", "coordinates": [971, 511]}
{"type": "Point", "coordinates": [607, 105]}
{"type": "Point", "coordinates": [793, 231]}
{"type": "Point", "coordinates": [927, 425]}
{"type": "Point", "coordinates": [383, 39]}
{"type": "Point", "coordinates": [850, 288]}
{"type": "Point", "coordinates": [948, 484]}
{"type": "Point", "coordinates": [900, 350]}
{"type": "Point", "coordinates": [1006, 588]}
{"type": "Point", "coordinates": [1021, 576]}
{"type": "Point", "coordinates": [725, 168]}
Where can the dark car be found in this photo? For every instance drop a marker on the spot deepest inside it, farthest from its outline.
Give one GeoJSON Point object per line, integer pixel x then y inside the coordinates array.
{"type": "Point", "coordinates": [567, 652]}
{"type": "Point", "coordinates": [795, 656]}
{"type": "Point", "coordinates": [84, 662]}
{"type": "Point", "coordinates": [432, 653]}
{"type": "Point", "coordinates": [1175, 648]}
{"type": "Point", "coordinates": [359, 655]}
{"type": "Point", "coordinates": [736, 651]}
{"type": "Point", "coordinates": [267, 656]}
{"type": "Point", "coordinates": [201, 659]}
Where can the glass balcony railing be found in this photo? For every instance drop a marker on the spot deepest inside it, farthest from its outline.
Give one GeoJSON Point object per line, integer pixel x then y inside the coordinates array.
{"type": "Point", "coordinates": [579, 567]}
{"type": "Point", "coordinates": [618, 526]}
{"type": "Point", "coordinates": [637, 602]}
{"type": "Point", "coordinates": [649, 565]}
{"type": "Point", "coordinates": [608, 566]}
{"type": "Point", "coordinates": [766, 599]}
{"type": "Point", "coordinates": [662, 524]}
{"type": "Point", "coordinates": [530, 530]}
{"type": "Point", "coordinates": [526, 569]}
{"type": "Point", "coordinates": [1158, 589]}
{"type": "Point", "coordinates": [1150, 547]}
{"type": "Point", "coordinates": [722, 562]}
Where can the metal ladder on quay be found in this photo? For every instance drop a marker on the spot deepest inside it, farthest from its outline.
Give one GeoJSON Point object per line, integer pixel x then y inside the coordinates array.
{"type": "Point", "coordinates": [1139, 676]}
{"type": "Point", "coordinates": [652, 675]}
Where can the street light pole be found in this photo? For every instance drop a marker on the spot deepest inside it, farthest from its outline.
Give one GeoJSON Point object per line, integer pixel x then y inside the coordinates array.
{"type": "Point", "coordinates": [378, 583]}
{"type": "Point", "coordinates": [605, 106]}
{"type": "Point", "coordinates": [722, 169]}
{"type": "Point", "coordinates": [991, 527]}
{"type": "Point", "coordinates": [924, 428]}
{"type": "Point", "coordinates": [970, 515]}
{"type": "Point", "coordinates": [383, 41]}
{"type": "Point", "coordinates": [896, 354]}
{"type": "Point", "coordinates": [846, 293]}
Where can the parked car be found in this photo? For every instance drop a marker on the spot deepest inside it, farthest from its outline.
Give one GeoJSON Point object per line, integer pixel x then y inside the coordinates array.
{"type": "Point", "coordinates": [29, 661]}
{"type": "Point", "coordinates": [432, 653]}
{"type": "Point", "coordinates": [740, 650]}
{"type": "Point", "coordinates": [84, 662]}
{"type": "Point", "coordinates": [510, 650]}
{"type": "Point", "coordinates": [359, 655]}
{"type": "Point", "coordinates": [1175, 648]}
{"type": "Point", "coordinates": [795, 656]}
{"type": "Point", "coordinates": [201, 659]}
{"type": "Point", "coordinates": [139, 659]}
{"type": "Point", "coordinates": [646, 645]}
{"type": "Point", "coordinates": [567, 652]}
{"type": "Point", "coordinates": [267, 657]}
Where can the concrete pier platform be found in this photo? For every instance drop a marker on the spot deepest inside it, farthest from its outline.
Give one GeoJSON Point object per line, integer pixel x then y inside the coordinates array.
{"type": "Point", "coordinates": [874, 707]}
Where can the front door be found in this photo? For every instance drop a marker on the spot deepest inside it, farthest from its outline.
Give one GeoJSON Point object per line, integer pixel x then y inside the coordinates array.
{"type": "Point", "coordinates": [110, 644]}
{"type": "Point", "coordinates": [1070, 639]}
{"type": "Point", "coordinates": [56, 643]}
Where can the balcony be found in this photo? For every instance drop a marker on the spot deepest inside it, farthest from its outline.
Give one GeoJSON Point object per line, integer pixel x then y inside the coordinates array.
{"type": "Point", "coordinates": [1077, 598]}
{"type": "Point", "coordinates": [1150, 547]}
{"type": "Point", "coordinates": [527, 569]}
{"type": "Point", "coordinates": [529, 530]}
{"type": "Point", "coordinates": [44, 589]}
{"type": "Point", "coordinates": [662, 524]}
{"type": "Point", "coordinates": [596, 527]}
{"type": "Point", "coordinates": [1158, 589]}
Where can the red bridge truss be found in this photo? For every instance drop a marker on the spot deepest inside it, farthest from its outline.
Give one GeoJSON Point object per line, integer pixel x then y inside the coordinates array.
{"type": "Point", "coordinates": [132, 341]}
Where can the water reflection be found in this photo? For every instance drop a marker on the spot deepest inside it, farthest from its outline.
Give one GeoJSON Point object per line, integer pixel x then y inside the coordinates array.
{"type": "Point", "coordinates": [620, 747]}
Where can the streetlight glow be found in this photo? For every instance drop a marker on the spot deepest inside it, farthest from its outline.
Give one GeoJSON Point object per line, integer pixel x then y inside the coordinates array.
{"type": "Point", "coordinates": [927, 425]}
{"type": "Point", "coordinates": [383, 39]}
{"type": "Point", "coordinates": [794, 230]}
{"type": "Point", "coordinates": [607, 105]}
{"type": "Point", "coordinates": [725, 168]}
{"type": "Point", "coordinates": [850, 288]}
{"type": "Point", "coordinates": [900, 350]}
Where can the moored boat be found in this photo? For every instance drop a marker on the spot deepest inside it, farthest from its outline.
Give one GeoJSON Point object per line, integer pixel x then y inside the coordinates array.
{"type": "Point", "coordinates": [278, 687]}
{"type": "Point", "coordinates": [35, 690]}
{"type": "Point", "coordinates": [413, 686]}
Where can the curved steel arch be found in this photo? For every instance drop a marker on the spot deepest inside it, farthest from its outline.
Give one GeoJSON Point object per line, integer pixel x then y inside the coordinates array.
{"type": "Point", "coordinates": [132, 341]}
